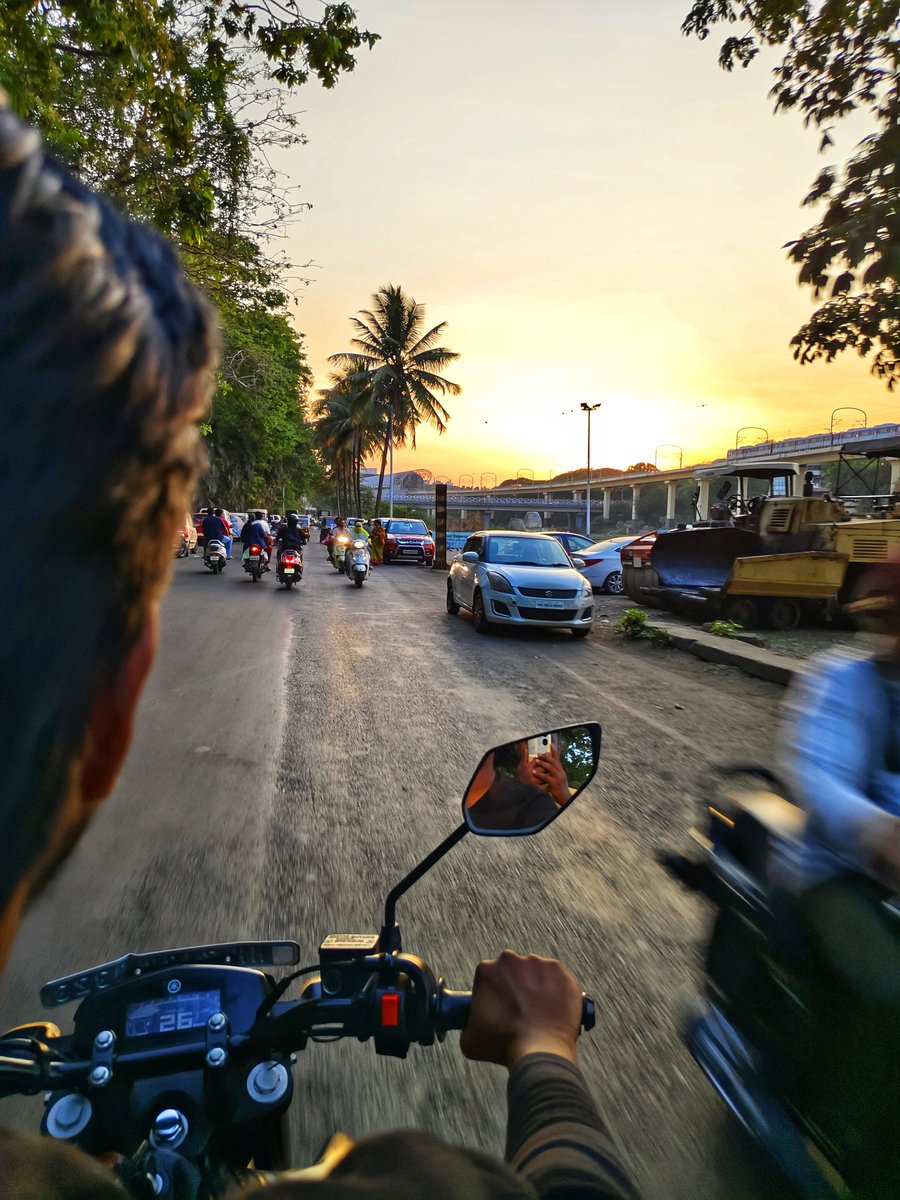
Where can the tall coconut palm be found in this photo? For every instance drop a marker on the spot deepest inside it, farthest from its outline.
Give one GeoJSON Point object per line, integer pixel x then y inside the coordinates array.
{"type": "Point", "coordinates": [345, 436]}
{"type": "Point", "coordinates": [398, 364]}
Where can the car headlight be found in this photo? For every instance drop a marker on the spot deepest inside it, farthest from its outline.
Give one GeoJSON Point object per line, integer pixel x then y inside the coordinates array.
{"type": "Point", "coordinates": [586, 590]}
{"type": "Point", "coordinates": [499, 582]}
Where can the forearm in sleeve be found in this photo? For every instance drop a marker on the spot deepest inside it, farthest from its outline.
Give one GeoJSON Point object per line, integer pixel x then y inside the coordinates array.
{"type": "Point", "coordinates": [556, 1138]}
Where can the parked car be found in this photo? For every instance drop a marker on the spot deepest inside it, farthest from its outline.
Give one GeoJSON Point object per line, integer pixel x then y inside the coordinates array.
{"type": "Point", "coordinates": [186, 537]}
{"type": "Point", "coordinates": [408, 540]}
{"type": "Point", "coordinates": [572, 543]}
{"type": "Point", "coordinates": [506, 577]}
{"type": "Point", "coordinates": [603, 564]}
{"type": "Point", "coordinates": [238, 520]}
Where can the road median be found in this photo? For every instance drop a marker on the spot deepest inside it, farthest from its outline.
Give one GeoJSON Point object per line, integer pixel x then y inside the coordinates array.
{"type": "Point", "coordinates": [734, 652]}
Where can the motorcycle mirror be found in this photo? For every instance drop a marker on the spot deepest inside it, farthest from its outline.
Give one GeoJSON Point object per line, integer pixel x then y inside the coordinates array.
{"type": "Point", "coordinates": [520, 787]}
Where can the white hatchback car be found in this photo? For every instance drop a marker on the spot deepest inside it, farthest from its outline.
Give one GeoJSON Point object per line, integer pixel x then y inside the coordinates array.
{"type": "Point", "coordinates": [509, 578]}
{"type": "Point", "coordinates": [603, 564]}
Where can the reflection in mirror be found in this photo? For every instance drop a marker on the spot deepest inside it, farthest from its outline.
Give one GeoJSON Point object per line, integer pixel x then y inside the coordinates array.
{"type": "Point", "coordinates": [521, 787]}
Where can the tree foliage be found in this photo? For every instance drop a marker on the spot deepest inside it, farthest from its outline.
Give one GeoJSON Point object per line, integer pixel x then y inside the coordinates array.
{"type": "Point", "coordinates": [840, 56]}
{"type": "Point", "coordinates": [347, 430]}
{"type": "Point", "coordinates": [169, 108]}
{"type": "Point", "coordinates": [395, 363]}
{"type": "Point", "coordinates": [259, 439]}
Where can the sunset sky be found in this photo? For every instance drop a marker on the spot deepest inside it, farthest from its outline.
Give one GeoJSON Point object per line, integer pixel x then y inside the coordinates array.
{"type": "Point", "coordinates": [597, 211]}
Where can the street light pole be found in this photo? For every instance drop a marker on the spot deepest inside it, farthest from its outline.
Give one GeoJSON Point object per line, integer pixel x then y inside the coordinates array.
{"type": "Point", "coordinates": [588, 408]}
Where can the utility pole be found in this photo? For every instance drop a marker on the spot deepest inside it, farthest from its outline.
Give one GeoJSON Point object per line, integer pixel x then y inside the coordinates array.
{"type": "Point", "coordinates": [588, 408]}
{"type": "Point", "coordinates": [391, 452]}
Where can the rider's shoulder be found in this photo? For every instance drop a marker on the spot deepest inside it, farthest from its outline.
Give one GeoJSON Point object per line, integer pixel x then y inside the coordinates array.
{"type": "Point", "coordinates": [403, 1163]}
{"type": "Point", "coordinates": [32, 1166]}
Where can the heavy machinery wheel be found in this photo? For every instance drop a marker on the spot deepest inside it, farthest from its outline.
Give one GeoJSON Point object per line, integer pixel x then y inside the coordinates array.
{"type": "Point", "coordinates": [613, 583]}
{"type": "Point", "coordinates": [742, 610]}
{"type": "Point", "coordinates": [784, 614]}
{"type": "Point", "coordinates": [479, 616]}
{"type": "Point", "coordinates": [633, 578]}
{"type": "Point", "coordinates": [452, 606]}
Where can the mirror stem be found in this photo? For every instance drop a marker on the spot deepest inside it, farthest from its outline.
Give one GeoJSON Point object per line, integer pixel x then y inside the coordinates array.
{"type": "Point", "coordinates": [390, 932]}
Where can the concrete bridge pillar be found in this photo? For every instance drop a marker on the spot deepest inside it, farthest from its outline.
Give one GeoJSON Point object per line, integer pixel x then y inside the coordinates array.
{"type": "Point", "coordinates": [671, 490]}
{"type": "Point", "coordinates": [635, 496]}
{"type": "Point", "coordinates": [607, 498]}
{"type": "Point", "coordinates": [703, 499]}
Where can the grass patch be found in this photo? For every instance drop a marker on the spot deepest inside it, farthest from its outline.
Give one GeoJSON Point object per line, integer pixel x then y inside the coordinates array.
{"type": "Point", "coordinates": [633, 624]}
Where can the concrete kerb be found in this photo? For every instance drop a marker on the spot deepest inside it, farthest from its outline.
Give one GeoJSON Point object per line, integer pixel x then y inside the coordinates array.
{"type": "Point", "coordinates": [752, 660]}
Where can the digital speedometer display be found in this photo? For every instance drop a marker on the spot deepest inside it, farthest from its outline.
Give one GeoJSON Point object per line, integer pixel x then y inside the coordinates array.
{"type": "Point", "coordinates": [185, 1010]}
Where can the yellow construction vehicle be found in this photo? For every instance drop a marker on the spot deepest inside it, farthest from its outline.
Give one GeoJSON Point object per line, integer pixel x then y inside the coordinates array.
{"type": "Point", "coordinates": [779, 559]}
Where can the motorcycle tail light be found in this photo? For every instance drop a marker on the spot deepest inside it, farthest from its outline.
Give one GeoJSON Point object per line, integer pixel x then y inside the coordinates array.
{"type": "Point", "coordinates": [255, 549]}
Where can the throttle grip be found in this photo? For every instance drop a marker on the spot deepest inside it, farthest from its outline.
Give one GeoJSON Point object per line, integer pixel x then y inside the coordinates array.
{"type": "Point", "coordinates": [453, 1011]}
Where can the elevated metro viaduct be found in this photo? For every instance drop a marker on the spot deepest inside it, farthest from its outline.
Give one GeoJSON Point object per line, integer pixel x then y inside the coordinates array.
{"type": "Point", "coordinates": [564, 503]}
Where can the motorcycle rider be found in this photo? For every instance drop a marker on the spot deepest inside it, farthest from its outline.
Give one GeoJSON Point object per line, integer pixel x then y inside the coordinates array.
{"type": "Point", "coordinates": [105, 346]}
{"type": "Point", "coordinates": [256, 532]}
{"type": "Point", "coordinates": [842, 759]}
{"type": "Point", "coordinates": [289, 537]}
{"type": "Point", "coordinates": [215, 530]}
{"type": "Point", "coordinates": [338, 530]}
{"type": "Point", "coordinates": [229, 531]}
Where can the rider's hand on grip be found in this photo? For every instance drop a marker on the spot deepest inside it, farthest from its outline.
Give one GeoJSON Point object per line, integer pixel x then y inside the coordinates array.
{"type": "Point", "coordinates": [522, 1006]}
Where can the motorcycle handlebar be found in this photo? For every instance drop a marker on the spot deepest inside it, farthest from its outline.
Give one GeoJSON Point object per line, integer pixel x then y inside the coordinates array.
{"type": "Point", "coordinates": [453, 1011]}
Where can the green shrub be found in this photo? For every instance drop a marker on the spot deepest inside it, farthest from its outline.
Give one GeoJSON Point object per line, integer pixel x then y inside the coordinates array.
{"type": "Point", "coordinates": [633, 624]}
{"type": "Point", "coordinates": [728, 629]}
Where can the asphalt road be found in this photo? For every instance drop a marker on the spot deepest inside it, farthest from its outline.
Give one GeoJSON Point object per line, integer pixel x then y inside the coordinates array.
{"type": "Point", "coordinates": [297, 752]}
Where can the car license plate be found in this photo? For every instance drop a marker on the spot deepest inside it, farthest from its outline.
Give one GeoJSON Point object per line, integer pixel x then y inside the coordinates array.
{"type": "Point", "coordinates": [415, 552]}
{"type": "Point", "coordinates": [549, 604]}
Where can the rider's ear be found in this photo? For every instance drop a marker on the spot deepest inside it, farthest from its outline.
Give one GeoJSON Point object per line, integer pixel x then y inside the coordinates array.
{"type": "Point", "coordinates": [112, 720]}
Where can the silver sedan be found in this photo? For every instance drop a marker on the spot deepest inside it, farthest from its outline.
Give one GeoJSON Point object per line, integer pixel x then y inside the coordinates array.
{"type": "Point", "coordinates": [512, 578]}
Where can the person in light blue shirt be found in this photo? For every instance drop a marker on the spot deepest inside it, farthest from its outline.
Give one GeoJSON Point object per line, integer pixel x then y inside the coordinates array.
{"type": "Point", "coordinates": [842, 760]}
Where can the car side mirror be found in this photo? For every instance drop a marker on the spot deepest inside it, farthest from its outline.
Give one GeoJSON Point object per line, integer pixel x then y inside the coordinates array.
{"type": "Point", "coordinates": [470, 556]}
{"type": "Point", "coordinates": [579, 563]}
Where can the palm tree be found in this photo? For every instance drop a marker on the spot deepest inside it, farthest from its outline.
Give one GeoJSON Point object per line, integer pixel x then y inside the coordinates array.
{"type": "Point", "coordinates": [345, 435]}
{"type": "Point", "coordinates": [398, 365]}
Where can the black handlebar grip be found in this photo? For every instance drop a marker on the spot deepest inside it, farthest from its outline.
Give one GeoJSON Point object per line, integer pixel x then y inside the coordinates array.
{"type": "Point", "coordinates": [453, 1011]}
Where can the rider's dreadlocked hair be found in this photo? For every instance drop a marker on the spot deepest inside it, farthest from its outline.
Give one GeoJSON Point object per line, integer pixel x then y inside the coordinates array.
{"type": "Point", "coordinates": [106, 356]}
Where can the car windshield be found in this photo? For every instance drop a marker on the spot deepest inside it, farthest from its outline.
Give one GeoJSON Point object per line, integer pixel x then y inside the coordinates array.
{"type": "Point", "coordinates": [526, 552]}
{"type": "Point", "coordinates": [408, 527]}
